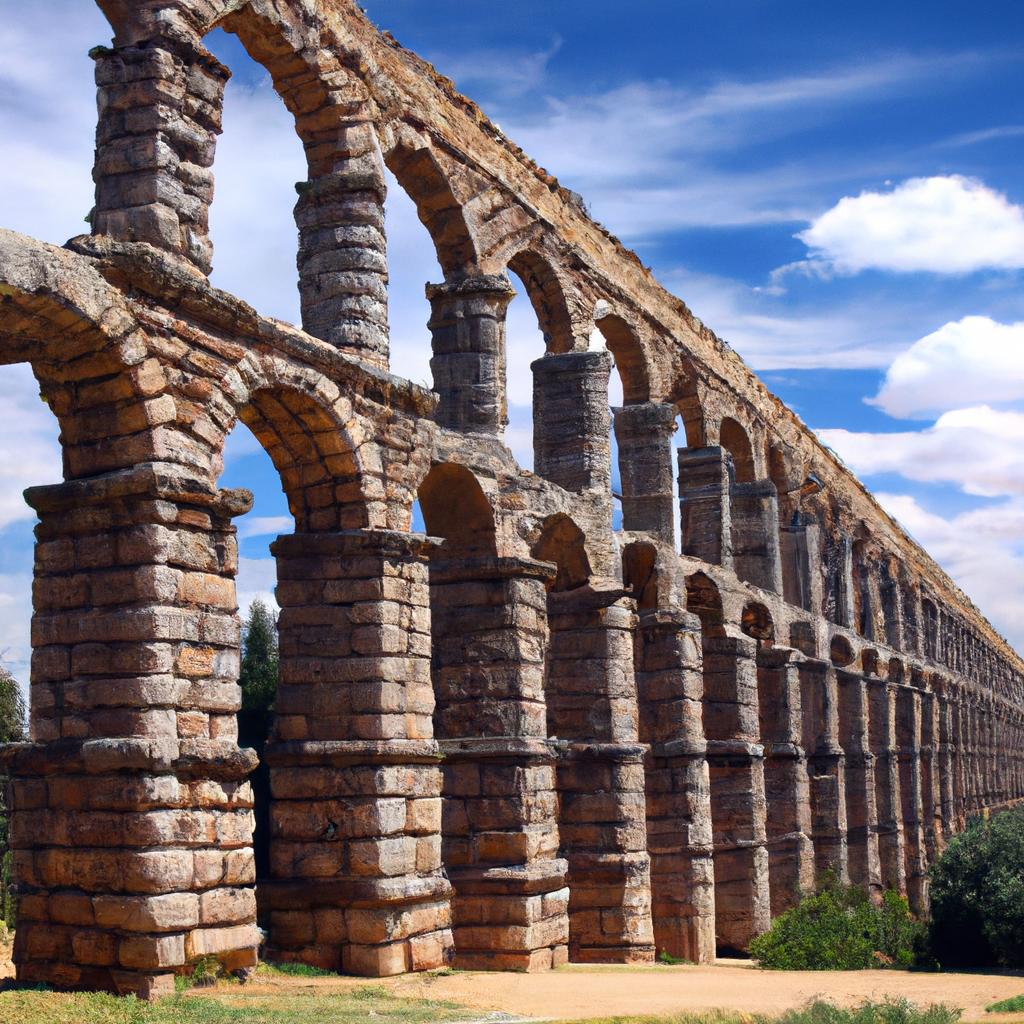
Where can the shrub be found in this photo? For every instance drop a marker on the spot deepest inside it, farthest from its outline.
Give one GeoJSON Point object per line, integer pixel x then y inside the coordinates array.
{"type": "Point", "coordinates": [977, 895]}
{"type": "Point", "coordinates": [838, 928]}
{"type": "Point", "coordinates": [1015, 1004]}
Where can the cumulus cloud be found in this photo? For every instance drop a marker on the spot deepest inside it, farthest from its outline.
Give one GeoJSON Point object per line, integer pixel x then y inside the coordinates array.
{"type": "Point", "coordinates": [980, 449]}
{"type": "Point", "coordinates": [945, 224]}
{"type": "Point", "coordinates": [982, 550]}
{"type": "Point", "coordinates": [967, 361]}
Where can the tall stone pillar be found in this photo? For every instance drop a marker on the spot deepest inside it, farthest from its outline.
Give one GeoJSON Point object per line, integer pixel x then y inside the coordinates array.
{"type": "Point", "coordinates": [736, 763]}
{"type": "Point", "coordinates": [670, 687]}
{"type": "Point", "coordinates": [467, 325]}
{"type": "Point", "coordinates": [859, 763]}
{"type": "Point", "coordinates": [947, 758]}
{"type": "Point", "coordinates": [754, 518]}
{"type": "Point", "coordinates": [571, 420]}
{"type": "Point", "coordinates": [800, 546]}
{"type": "Point", "coordinates": [592, 711]}
{"type": "Point", "coordinates": [131, 822]}
{"type": "Point", "coordinates": [888, 802]}
{"type": "Point", "coordinates": [931, 795]}
{"type": "Point", "coordinates": [908, 726]}
{"type": "Point", "coordinates": [356, 877]}
{"type": "Point", "coordinates": [342, 259]}
{"type": "Point", "coordinates": [644, 436]}
{"type": "Point", "coordinates": [787, 788]}
{"type": "Point", "coordinates": [160, 106]}
{"type": "Point", "coordinates": [500, 807]}
{"type": "Point", "coordinates": [825, 765]}
{"type": "Point", "coordinates": [704, 507]}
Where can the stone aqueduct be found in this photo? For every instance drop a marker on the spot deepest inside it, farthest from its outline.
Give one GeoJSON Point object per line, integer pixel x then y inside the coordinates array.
{"type": "Point", "coordinates": [523, 738]}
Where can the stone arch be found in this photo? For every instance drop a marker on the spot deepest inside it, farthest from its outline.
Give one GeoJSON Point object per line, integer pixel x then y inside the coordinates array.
{"type": "Point", "coordinates": [563, 543]}
{"type": "Point", "coordinates": [841, 651]}
{"type": "Point", "coordinates": [735, 439]}
{"type": "Point", "coordinates": [685, 396]}
{"type": "Point", "coordinates": [417, 170]}
{"type": "Point", "coordinates": [456, 509]}
{"type": "Point", "coordinates": [630, 361]}
{"type": "Point", "coordinates": [547, 295]}
{"type": "Point", "coordinates": [756, 621]}
{"type": "Point", "coordinates": [640, 573]}
{"type": "Point", "coordinates": [705, 601]}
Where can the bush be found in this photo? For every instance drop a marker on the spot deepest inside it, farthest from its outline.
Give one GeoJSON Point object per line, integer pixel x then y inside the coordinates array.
{"type": "Point", "coordinates": [1015, 1004]}
{"type": "Point", "coordinates": [977, 895]}
{"type": "Point", "coordinates": [838, 928]}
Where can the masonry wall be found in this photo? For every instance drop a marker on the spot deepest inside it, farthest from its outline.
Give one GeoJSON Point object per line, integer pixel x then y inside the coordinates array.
{"type": "Point", "coordinates": [525, 736]}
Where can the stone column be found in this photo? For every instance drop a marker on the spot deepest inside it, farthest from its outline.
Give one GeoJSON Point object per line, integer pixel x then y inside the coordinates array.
{"type": "Point", "coordinates": [947, 758]}
{"type": "Point", "coordinates": [800, 557]}
{"type": "Point", "coordinates": [160, 106]}
{"type": "Point", "coordinates": [644, 436]}
{"type": "Point", "coordinates": [908, 726]}
{"type": "Point", "coordinates": [704, 483]}
{"type": "Point", "coordinates": [825, 765]}
{"type": "Point", "coordinates": [592, 710]}
{"type": "Point", "coordinates": [888, 802]}
{"type": "Point", "coordinates": [931, 794]}
{"type": "Point", "coordinates": [736, 763]}
{"type": "Point", "coordinates": [754, 518]}
{"type": "Point", "coordinates": [571, 420]}
{"type": "Point", "coordinates": [131, 821]}
{"type": "Point", "coordinates": [859, 764]}
{"type": "Point", "coordinates": [342, 261]}
{"type": "Point", "coordinates": [467, 325]}
{"type": "Point", "coordinates": [356, 878]}
{"type": "Point", "coordinates": [500, 828]}
{"type": "Point", "coordinates": [670, 687]}
{"type": "Point", "coordinates": [787, 788]}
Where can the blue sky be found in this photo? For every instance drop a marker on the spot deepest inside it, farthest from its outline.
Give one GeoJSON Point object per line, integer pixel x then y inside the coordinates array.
{"type": "Point", "coordinates": [834, 188]}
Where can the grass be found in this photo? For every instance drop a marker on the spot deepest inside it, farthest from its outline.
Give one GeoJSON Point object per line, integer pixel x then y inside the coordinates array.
{"type": "Point", "coordinates": [228, 1004]}
{"type": "Point", "coordinates": [1014, 1005]}
{"type": "Point", "coordinates": [889, 1011]}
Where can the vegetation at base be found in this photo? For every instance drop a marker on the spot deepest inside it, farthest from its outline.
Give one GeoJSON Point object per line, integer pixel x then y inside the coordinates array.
{"type": "Point", "coordinates": [12, 729]}
{"type": "Point", "coordinates": [230, 1004]}
{"type": "Point", "coordinates": [888, 1011]}
{"type": "Point", "coordinates": [258, 680]}
{"type": "Point", "coordinates": [838, 928]}
{"type": "Point", "coordinates": [977, 895]}
{"type": "Point", "coordinates": [292, 970]}
{"type": "Point", "coordinates": [1014, 1005]}
{"type": "Point", "coordinates": [665, 957]}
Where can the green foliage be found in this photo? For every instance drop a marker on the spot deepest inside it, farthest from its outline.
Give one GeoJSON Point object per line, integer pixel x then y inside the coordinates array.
{"type": "Point", "coordinates": [977, 895]}
{"type": "Point", "coordinates": [665, 957]}
{"type": "Point", "coordinates": [258, 677]}
{"type": "Point", "coordinates": [12, 729]}
{"type": "Point", "coordinates": [1014, 1005]}
{"type": "Point", "coordinates": [838, 928]}
{"type": "Point", "coordinates": [292, 970]}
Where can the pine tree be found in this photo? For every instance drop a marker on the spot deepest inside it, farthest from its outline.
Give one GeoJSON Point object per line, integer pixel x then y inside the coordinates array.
{"type": "Point", "coordinates": [258, 677]}
{"type": "Point", "coordinates": [12, 729]}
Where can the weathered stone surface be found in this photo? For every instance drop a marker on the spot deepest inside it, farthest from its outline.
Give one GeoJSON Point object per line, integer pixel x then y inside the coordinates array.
{"type": "Point", "coordinates": [523, 737]}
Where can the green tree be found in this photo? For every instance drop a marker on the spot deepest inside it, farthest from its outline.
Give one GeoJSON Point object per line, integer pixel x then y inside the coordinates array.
{"type": "Point", "coordinates": [258, 676]}
{"type": "Point", "coordinates": [977, 895]}
{"type": "Point", "coordinates": [839, 928]}
{"type": "Point", "coordinates": [258, 679]}
{"type": "Point", "coordinates": [12, 729]}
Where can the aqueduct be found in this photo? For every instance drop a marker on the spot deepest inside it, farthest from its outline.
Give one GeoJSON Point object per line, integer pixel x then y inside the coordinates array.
{"type": "Point", "coordinates": [523, 736]}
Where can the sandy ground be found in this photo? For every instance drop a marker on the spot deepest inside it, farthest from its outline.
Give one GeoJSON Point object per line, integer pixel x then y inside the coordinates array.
{"type": "Point", "coordinates": [578, 992]}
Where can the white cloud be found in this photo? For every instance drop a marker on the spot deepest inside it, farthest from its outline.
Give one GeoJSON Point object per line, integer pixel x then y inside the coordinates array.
{"type": "Point", "coordinates": [979, 449]}
{"type": "Point", "coordinates": [264, 526]}
{"type": "Point", "coordinates": [967, 361]}
{"type": "Point", "coordinates": [256, 580]}
{"type": "Point", "coordinates": [505, 73]}
{"type": "Point", "coordinates": [944, 224]}
{"type": "Point", "coordinates": [15, 624]}
{"type": "Point", "coordinates": [982, 550]}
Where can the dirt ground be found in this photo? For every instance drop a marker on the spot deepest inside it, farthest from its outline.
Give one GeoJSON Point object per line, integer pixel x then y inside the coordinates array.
{"type": "Point", "coordinates": [578, 992]}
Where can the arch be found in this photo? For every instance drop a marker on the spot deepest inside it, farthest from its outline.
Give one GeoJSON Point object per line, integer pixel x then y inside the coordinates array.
{"type": "Point", "coordinates": [313, 455]}
{"type": "Point", "coordinates": [930, 628]}
{"type": "Point", "coordinates": [869, 661]}
{"type": "Point", "coordinates": [547, 297]}
{"type": "Point", "coordinates": [417, 170]}
{"type": "Point", "coordinates": [562, 542]}
{"type": "Point", "coordinates": [456, 508]}
{"type": "Point", "coordinates": [841, 651]}
{"type": "Point", "coordinates": [686, 398]}
{"type": "Point", "coordinates": [640, 574]}
{"type": "Point", "coordinates": [734, 438]}
{"type": "Point", "coordinates": [705, 601]}
{"type": "Point", "coordinates": [756, 621]}
{"type": "Point", "coordinates": [896, 671]}
{"type": "Point", "coordinates": [624, 345]}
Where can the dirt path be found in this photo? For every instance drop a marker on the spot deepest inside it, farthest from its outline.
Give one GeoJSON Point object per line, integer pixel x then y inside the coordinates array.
{"type": "Point", "coordinates": [580, 992]}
